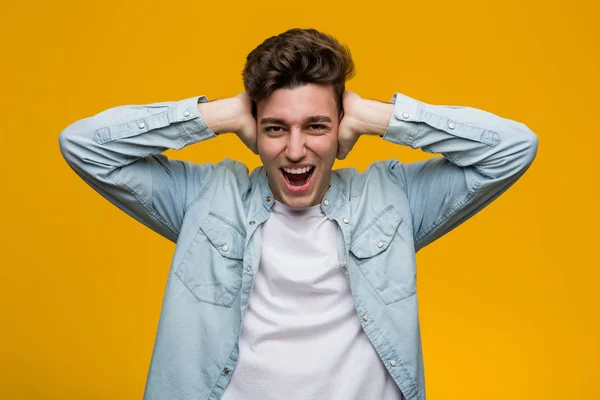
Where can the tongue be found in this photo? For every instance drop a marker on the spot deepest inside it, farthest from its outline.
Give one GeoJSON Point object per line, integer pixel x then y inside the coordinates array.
{"type": "Point", "coordinates": [298, 179]}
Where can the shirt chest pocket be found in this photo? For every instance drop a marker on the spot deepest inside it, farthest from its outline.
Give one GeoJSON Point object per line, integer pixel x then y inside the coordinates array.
{"type": "Point", "coordinates": [384, 253]}
{"type": "Point", "coordinates": [212, 267]}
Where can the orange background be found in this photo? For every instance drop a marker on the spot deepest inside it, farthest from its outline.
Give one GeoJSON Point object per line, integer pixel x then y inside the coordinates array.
{"type": "Point", "coordinates": [508, 302]}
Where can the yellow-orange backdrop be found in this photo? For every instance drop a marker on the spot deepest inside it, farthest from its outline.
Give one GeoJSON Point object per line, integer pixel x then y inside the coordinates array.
{"type": "Point", "coordinates": [508, 302]}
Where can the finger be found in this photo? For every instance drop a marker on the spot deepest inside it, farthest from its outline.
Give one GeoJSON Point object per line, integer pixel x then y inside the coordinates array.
{"type": "Point", "coordinates": [253, 147]}
{"type": "Point", "coordinates": [342, 153]}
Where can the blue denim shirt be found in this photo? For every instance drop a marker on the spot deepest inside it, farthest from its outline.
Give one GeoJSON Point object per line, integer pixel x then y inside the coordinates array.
{"type": "Point", "coordinates": [213, 212]}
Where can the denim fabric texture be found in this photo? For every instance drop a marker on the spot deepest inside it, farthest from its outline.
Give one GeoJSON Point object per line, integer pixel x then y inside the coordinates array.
{"type": "Point", "coordinates": [213, 211]}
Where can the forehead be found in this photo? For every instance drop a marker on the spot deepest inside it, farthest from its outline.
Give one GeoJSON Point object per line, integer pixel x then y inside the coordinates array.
{"type": "Point", "coordinates": [295, 104]}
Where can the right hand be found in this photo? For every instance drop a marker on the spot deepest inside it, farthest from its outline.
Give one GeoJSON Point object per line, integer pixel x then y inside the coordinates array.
{"type": "Point", "coordinates": [246, 126]}
{"type": "Point", "coordinates": [231, 114]}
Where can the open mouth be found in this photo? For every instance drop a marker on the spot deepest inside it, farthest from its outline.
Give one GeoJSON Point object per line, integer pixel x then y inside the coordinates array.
{"type": "Point", "coordinates": [298, 179]}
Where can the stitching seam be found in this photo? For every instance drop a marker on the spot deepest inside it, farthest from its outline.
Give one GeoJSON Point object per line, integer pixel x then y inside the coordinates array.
{"type": "Point", "coordinates": [149, 209]}
{"type": "Point", "coordinates": [450, 212]}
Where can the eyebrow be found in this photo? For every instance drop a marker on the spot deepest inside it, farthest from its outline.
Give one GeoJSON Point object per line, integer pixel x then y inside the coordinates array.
{"type": "Point", "coordinates": [308, 120]}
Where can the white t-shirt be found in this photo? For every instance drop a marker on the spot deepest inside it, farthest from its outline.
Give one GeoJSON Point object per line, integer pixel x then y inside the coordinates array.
{"type": "Point", "coordinates": [301, 338]}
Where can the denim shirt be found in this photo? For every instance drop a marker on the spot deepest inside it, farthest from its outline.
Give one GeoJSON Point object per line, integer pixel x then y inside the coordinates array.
{"type": "Point", "coordinates": [213, 212]}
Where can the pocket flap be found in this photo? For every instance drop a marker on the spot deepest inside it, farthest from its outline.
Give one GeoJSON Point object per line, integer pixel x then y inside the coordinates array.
{"type": "Point", "coordinates": [224, 235]}
{"type": "Point", "coordinates": [376, 236]}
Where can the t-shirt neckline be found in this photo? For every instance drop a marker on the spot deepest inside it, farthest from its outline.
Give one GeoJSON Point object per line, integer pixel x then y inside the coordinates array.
{"type": "Point", "coordinates": [281, 208]}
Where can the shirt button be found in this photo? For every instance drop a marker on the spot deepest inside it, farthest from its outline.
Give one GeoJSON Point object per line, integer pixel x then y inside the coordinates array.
{"type": "Point", "coordinates": [248, 268]}
{"type": "Point", "coordinates": [226, 371]}
{"type": "Point", "coordinates": [225, 247]}
{"type": "Point", "coordinates": [268, 199]}
{"type": "Point", "coordinates": [451, 125]}
{"type": "Point", "coordinates": [405, 115]}
{"type": "Point", "coordinates": [393, 363]}
{"type": "Point", "coordinates": [380, 244]}
{"type": "Point", "coordinates": [186, 113]}
{"type": "Point", "coordinates": [326, 202]}
{"type": "Point", "coordinates": [141, 125]}
{"type": "Point", "coordinates": [252, 222]}
{"type": "Point", "coordinates": [345, 220]}
{"type": "Point", "coordinates": [365, 317]}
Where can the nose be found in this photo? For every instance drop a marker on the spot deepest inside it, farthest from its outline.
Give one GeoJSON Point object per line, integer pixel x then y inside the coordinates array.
{"type": "Point", "coordinates": [296, 146]}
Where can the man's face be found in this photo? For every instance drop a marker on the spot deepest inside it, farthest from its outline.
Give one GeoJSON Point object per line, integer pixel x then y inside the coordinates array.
{"type": "Point", "coordinates": [297, 142]}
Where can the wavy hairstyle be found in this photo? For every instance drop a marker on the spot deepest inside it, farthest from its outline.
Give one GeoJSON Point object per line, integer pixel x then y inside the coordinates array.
{"type": "Point", "coordinates": [294, 58]}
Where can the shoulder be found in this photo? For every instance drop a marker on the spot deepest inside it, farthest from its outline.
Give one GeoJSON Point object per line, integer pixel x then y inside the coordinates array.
{"type": "Point", "coordinates": [232, 172]}
{"type": "Point", "coordinates": [233, 166]}
{"type": "Point", "coordinates": [383, 175]}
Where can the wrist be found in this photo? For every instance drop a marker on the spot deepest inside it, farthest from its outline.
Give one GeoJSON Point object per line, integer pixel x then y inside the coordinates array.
{"type": "Point", "coordinates": [374, 117]}
{"type": "Point", "coordinates": [222, 115]}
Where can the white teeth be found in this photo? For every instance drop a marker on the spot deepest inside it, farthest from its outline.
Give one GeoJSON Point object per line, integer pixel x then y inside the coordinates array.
{"type": "Point", "coordinates": [297, 170]}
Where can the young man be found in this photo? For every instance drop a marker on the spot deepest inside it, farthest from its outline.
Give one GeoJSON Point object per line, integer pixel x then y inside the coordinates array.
{"type": "Point", "coordinates": [296, 281]}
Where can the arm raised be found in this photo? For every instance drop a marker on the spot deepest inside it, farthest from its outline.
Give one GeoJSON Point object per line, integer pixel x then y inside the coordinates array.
{"type": "Point", "coordinates": [482, 155]}
{"type": "Point", "coordinates": [118, 152]}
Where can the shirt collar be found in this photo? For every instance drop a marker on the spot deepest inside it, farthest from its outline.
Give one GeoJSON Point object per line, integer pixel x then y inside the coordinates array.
{"type": "Point", "coordinates": [335, 204]}
{"type": "Point", "coordinates": [330, 202]}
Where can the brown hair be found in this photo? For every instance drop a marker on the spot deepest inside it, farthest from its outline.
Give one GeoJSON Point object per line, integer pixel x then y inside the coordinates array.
{"type": "Point", "coordinates": [294, 58]}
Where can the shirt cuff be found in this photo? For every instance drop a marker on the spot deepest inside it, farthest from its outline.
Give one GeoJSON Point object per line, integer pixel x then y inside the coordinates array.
{"type": "Point", "coordinates": [405, 119]}
{"type": "Point", "coordinates": [192, 126]}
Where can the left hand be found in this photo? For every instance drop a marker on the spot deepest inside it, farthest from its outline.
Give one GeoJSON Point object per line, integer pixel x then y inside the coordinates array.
{"type": "Point", "coordinates": [349, 130]}
{"type": "Point", "coordinates": [361, 116]}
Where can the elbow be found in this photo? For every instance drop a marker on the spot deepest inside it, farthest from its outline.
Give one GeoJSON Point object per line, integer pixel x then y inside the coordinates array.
{"type": "Point", "coordinates": [531, 146]}
{"type": "Point", "coordinates": [519, 153]}
{"type": "Point", "coordinates": [75, 144]}
{"type": "Point", "coordinates": [63, 143]}
{"type": "Point", "coordinates": [66, 144]}
{"type": "Point", "coordinates": [523, 152]}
